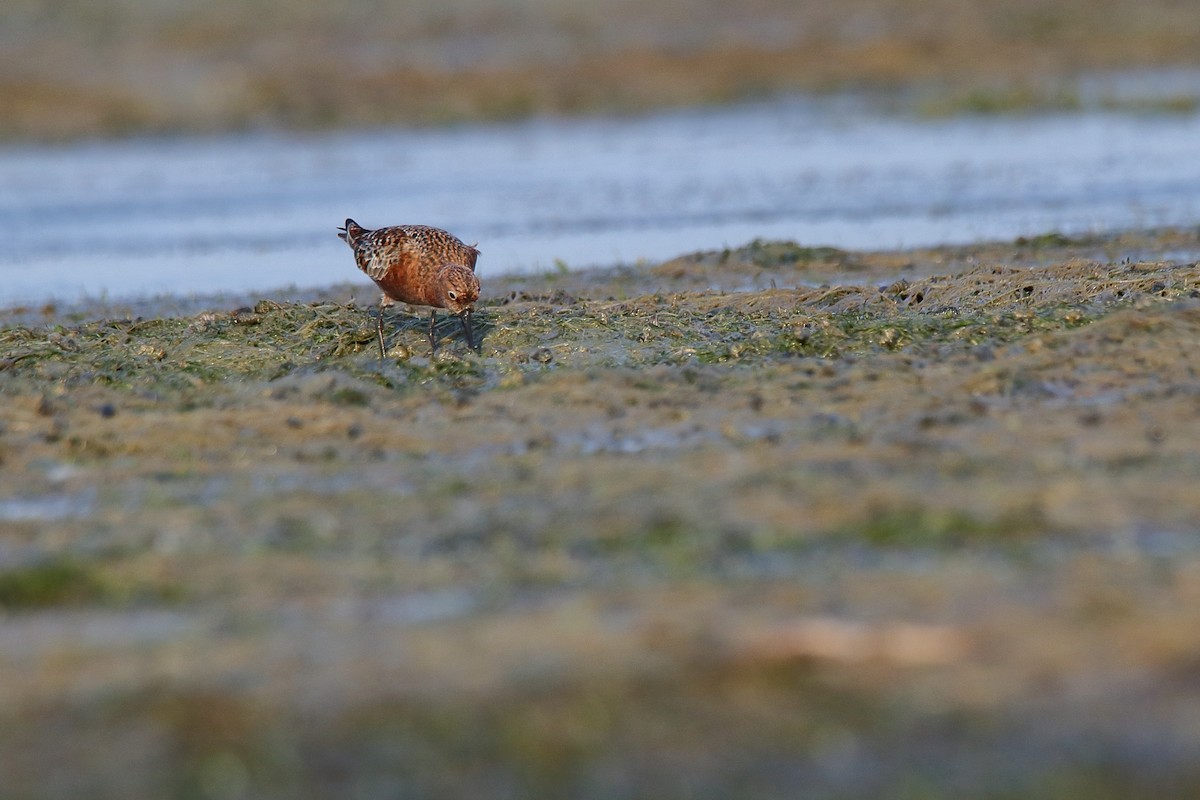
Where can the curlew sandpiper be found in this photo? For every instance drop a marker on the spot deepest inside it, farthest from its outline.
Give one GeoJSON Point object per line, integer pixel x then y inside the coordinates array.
{"type": "Point", "coordinates": [418, 265]}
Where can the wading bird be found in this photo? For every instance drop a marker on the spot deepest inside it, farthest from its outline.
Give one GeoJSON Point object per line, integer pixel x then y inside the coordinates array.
{"type": "Point", "coordinates": [419, 265]}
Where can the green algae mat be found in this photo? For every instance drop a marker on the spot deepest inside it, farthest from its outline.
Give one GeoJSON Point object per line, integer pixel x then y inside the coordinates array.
{"type": "Point", "coordinates": [770, 522]}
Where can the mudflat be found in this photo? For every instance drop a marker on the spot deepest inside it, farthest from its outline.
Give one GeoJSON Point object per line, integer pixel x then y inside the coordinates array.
{"type": "Point", "coordinates": [762, 522]}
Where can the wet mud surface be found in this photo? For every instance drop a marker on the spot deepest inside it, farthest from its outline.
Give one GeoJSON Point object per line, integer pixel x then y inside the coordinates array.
{"type": "Point", "coordinates": [755, 523]}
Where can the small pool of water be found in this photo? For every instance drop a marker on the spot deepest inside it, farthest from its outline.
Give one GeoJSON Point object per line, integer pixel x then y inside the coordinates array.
{"type": "Point", "coordinates": [251, 213]}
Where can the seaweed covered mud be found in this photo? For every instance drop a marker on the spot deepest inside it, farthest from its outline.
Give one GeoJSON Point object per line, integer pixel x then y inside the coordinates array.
{"type": "Point", "coordinates": [748, 523]}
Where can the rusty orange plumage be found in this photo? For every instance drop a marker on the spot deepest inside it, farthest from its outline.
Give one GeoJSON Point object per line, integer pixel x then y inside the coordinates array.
{"type": "Point", "coordinates": [418, 265]}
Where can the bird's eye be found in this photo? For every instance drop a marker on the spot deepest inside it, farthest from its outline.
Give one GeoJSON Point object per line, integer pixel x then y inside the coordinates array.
{"type": "Point", "coordinates": [453, 295]}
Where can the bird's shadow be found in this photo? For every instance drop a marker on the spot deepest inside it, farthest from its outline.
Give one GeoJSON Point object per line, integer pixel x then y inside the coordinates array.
{"type": "Point", "coordinates": [447, 329]}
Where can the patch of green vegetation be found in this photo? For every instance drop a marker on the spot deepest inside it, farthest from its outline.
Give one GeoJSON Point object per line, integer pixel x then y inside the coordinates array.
{"type": "Point", "coordinates": [1048, 240]}
{"type": "Point", "coordinates": [920, 526]}
{"type": "Point", "coordinates": [771, 253]}
{"type": "Point", "coordinates": [1172, 104]}
{"type": "Point", "coordinates": [57, 582]}
{"type": "Point", "coordinates": [63, 581]}
{"type": "Point", "coordinates": [1016, 99]}
{"type": "Point", "coordinates": [458, 368]}
{"type": "Point", "coordinates": [664, 539]}
{"type": "Point", "coordinates": [349, 396]}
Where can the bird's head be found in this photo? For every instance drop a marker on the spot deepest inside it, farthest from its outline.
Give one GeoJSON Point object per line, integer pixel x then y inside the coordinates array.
{"type": "Point", "coordinates": [458, 288]}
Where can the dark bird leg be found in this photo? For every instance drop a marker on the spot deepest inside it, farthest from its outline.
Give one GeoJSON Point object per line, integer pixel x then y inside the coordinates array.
{"type": "Point", "coordinates": [379, 330]}
{"type": "Point", "coordinates": [465, 319]}
{"type": "Point", "coordinates": [432, 341]}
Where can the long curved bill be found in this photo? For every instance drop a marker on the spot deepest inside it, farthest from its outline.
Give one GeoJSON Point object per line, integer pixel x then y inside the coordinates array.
{"type": "Point", "coordinates": [468, 331]}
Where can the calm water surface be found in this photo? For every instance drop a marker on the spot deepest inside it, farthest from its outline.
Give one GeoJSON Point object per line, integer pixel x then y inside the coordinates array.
{"type": "Point", "coordinates": [252, 213]}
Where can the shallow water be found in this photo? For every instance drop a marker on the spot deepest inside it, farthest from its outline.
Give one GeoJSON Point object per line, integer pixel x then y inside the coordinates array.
{"type": "Point", "coordinates": [250, 213]}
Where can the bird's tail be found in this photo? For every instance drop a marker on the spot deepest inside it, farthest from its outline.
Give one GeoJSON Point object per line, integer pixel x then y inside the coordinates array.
{"type": "Point", "coordinates": [350, 232]}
